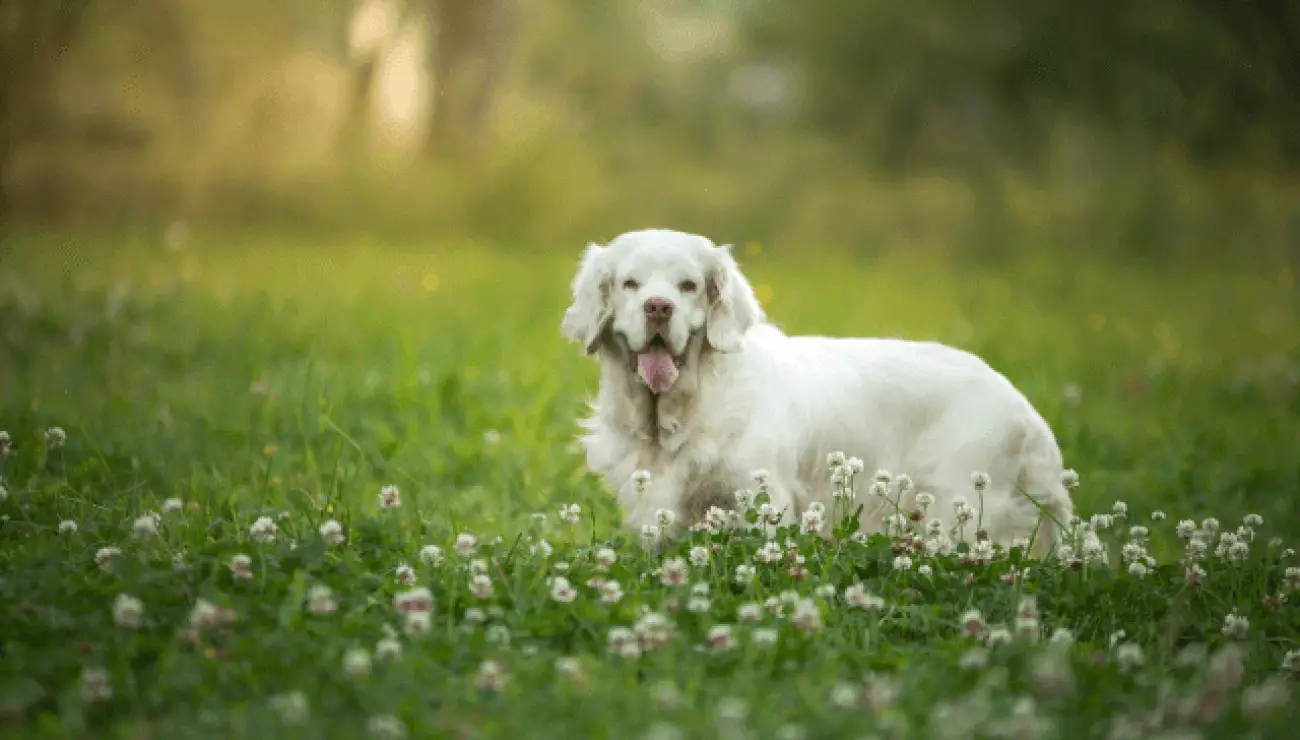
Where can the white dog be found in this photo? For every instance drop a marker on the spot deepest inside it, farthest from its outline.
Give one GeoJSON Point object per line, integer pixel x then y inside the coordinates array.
{"type": "Point", "coordinates": [698, 389]}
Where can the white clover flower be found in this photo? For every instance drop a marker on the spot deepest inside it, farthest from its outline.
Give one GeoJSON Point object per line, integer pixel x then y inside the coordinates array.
{"type": "Point", "coordinates": [332, 532]}
{"type": "Point", "coordinates": [813, 521]}
{"type": "Point", "coordinates": [264, 529]}
{"type": "Point", "coordinates": [611, 592]}
{"type": "Point", "coordinates": [320, 600]}
{"type": "Point", "coordinates": [623, 642]}
{"type": "Point", "coordinates": [498, 634]}
{"type": "Point", "coordinates": [653, 630]}
{"type": "Point", "coordinates": [1137, 569]}
{"type": "Point", "coordinates": [861, 599]}
{"type": "Point", "coordinates": [404, 574]}
{"type": "Point", "coordinates": [769, 515]}
{"type": "Point", "coordinates": [418, 599]}
{"type": "Point", "coordinates": [924, 570]}
{"type": "Point", "coordinates": [465, 544]}
{"type": "Point", "coordinates": [665, 518]}
{"type": "Point", "coordinates": [1129, 656]}
{"type": "Point", "coordinates": [979, 481]}
{"type": "Point", "coordinates": [698, 604]}
{"type": "Point", "coordinates": [128, 611]}
{"type": "Point", "coordinates": [474, 615]}
{"type": "Point", "coordinates": [106, 556]}
{"type": "Point", "coordinates": [481, 587]}
{"type": "Point", "coordinates": [641, 479]}
{"type": "Point", "coordinates": [1235, 626]}
{"type": "Point", "coordinates": [836, 460]}
{"type": "Point", "coordinates": [1291, 661]}
{"type": "Point", "coordinates": [145, 525]}
{"type": "Point", "coordinates": [744, 574]}
{"type": "Point", "coordinates": [390, 497]}
{"type": "Point", "coordinates": [569, 667]}
{"type": "Point", "coordinates": [675, 572]}
{"type": "Point", "coordinates": [1210, 525]}
{"type": "Point", "coordinates": [95, 685]}
{"type": "Point", "coordinates": [749, 612]}
{"type": "Point", "coordinates": [902, 563]}
{"type": "Point", "coordinates": [1062, 636]}
{"type": "Point", "coordinates": [1237, 552]}
{"type": "Point", "coordinates": [356, 663]}
{"type": "Point", "coordinates": [972, 623]}
{"type": "Point", "coordinates": [770, 553]}
{"type": "Point", "coordinates": [998, 636]}
{"type": "Point", "coordinates": [385, 727]}
{"type": "Point", "coordinates": [1069, 478]}
{"type": "Point", "coordinates": [763, 637]}
{"type": "Point", "coordinates": [605, 559]}
{"type": "Point", "coordinates": [172, 505]}
{"type": "Point", "coordinates": [905, 485]}
{"type": "Point", "coordinates": [478, 567]}
{"type": "Point", "coordinates": [431, 555]}
{"type": "Point", "coordinates": [418, 623]}
{"type": "Point", "coordinates": [55, 437]}
{"type": "Point", "coordinates": [1158, 516]}
{"type": "Point", "coordinates": [241, 567]}
{"type": "Point", "coordinates": [699, 556]}
{"type": "Point", "coordinates": [562, 591]}
{"type": "Point", "coordinates": [67, 527]}
{"type": "Point", "coordinates": [1101, 522]}
{"type": "Point", "coordinates": [649, 535]}
{"type": "Point", "coordinates": [760, 478]}
{"type": "Point", "coordinates": [807, 616]}
{"type": "Point", "coordinates": [292, 707]}
{"type": "Point", "coordinates": [6, 446]}
{"type": "Point", "coordinates": [388, 649]}
{"type": "Point", "coordinates": [721, 638]}
{"type": "Point", "coordinates": [571, 513]}
{"type": "Point", "coordinates": [1253, 521]}
{"type": "Point", "coordinates": [924, 500]}
{"type": "Point", "coordinates": [1119, 510]}
{"type": "Point", "coordinates": [1185, 529]}
{"type": "Point", "coordinates": [878, 489]}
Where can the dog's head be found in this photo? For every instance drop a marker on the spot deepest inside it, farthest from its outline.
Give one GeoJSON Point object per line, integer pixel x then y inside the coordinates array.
{"type": "Point", "coordinates": [650, 295]}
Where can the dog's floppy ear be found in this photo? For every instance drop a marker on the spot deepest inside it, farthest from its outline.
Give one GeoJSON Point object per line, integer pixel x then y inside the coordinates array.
{"type": "Point", "coordinates": [589, 316]}
{"type": "Point", "coordinates": [732, 305]}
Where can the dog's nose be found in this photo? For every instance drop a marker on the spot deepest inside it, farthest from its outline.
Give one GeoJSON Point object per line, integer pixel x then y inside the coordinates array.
{"type": "Point", "coordinates": [658, 310]}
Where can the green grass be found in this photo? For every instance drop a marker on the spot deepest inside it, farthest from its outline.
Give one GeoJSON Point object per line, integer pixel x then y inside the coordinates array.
{"type": "Point", "coordinates": [253, 376]}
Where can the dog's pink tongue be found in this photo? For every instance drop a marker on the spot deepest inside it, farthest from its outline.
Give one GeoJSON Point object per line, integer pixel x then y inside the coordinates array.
{"type": "Point", "coordinates": [657, 370]}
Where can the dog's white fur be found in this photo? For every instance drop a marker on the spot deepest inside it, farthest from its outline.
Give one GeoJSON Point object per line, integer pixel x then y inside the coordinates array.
{"type": "Point", "coordinates": [750, 397]}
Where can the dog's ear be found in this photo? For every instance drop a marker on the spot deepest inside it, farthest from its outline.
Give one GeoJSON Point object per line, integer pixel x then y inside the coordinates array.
{"type": "Point", "coordinates": [732, 305]}
{"type": "Point", "coordinates": [591, 313]}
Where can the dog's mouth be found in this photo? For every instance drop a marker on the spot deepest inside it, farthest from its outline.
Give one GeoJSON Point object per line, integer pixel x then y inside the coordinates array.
{"type": "Point", "coordinates": [657, 366]}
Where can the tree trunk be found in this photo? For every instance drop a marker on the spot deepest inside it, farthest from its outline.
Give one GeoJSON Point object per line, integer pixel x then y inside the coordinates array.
{"type": "Point", "coordinates": [471, 41]}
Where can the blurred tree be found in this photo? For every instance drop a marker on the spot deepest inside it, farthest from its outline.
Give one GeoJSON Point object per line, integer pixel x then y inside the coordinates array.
{"type": "Point", "coordinates": [33, 35]}
{"type": "Point", "coordinates": [472, 41]}
{"type": "Point", "coordinates": [1219, 77]}
{"type": "Point", "coordinates": [470, 44]}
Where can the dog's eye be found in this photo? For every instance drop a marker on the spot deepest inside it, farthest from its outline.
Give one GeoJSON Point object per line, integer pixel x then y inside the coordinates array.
{"type": "Point", "coordinates": [686, 286]}
{"type": "Point", "coordinates": [630, 284]}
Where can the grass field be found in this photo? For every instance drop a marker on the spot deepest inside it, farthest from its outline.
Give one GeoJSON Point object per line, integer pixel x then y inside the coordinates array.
{"type": "Point", "coordinates": [258, 376]}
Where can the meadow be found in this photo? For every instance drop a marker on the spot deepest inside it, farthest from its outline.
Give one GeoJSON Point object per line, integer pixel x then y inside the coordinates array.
{"type": "Point", "coordinates": [262, 485]}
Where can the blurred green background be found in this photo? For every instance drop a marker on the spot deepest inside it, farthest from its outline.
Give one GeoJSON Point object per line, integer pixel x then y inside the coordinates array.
{"type": "Point", "coordinates": [1158, 130]}
{"type": "Point", "coordinates": [253, 246]}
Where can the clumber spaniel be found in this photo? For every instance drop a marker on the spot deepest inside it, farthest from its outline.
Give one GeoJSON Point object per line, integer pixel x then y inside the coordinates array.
{"type": "Point", "coordinates": [700, 390]}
